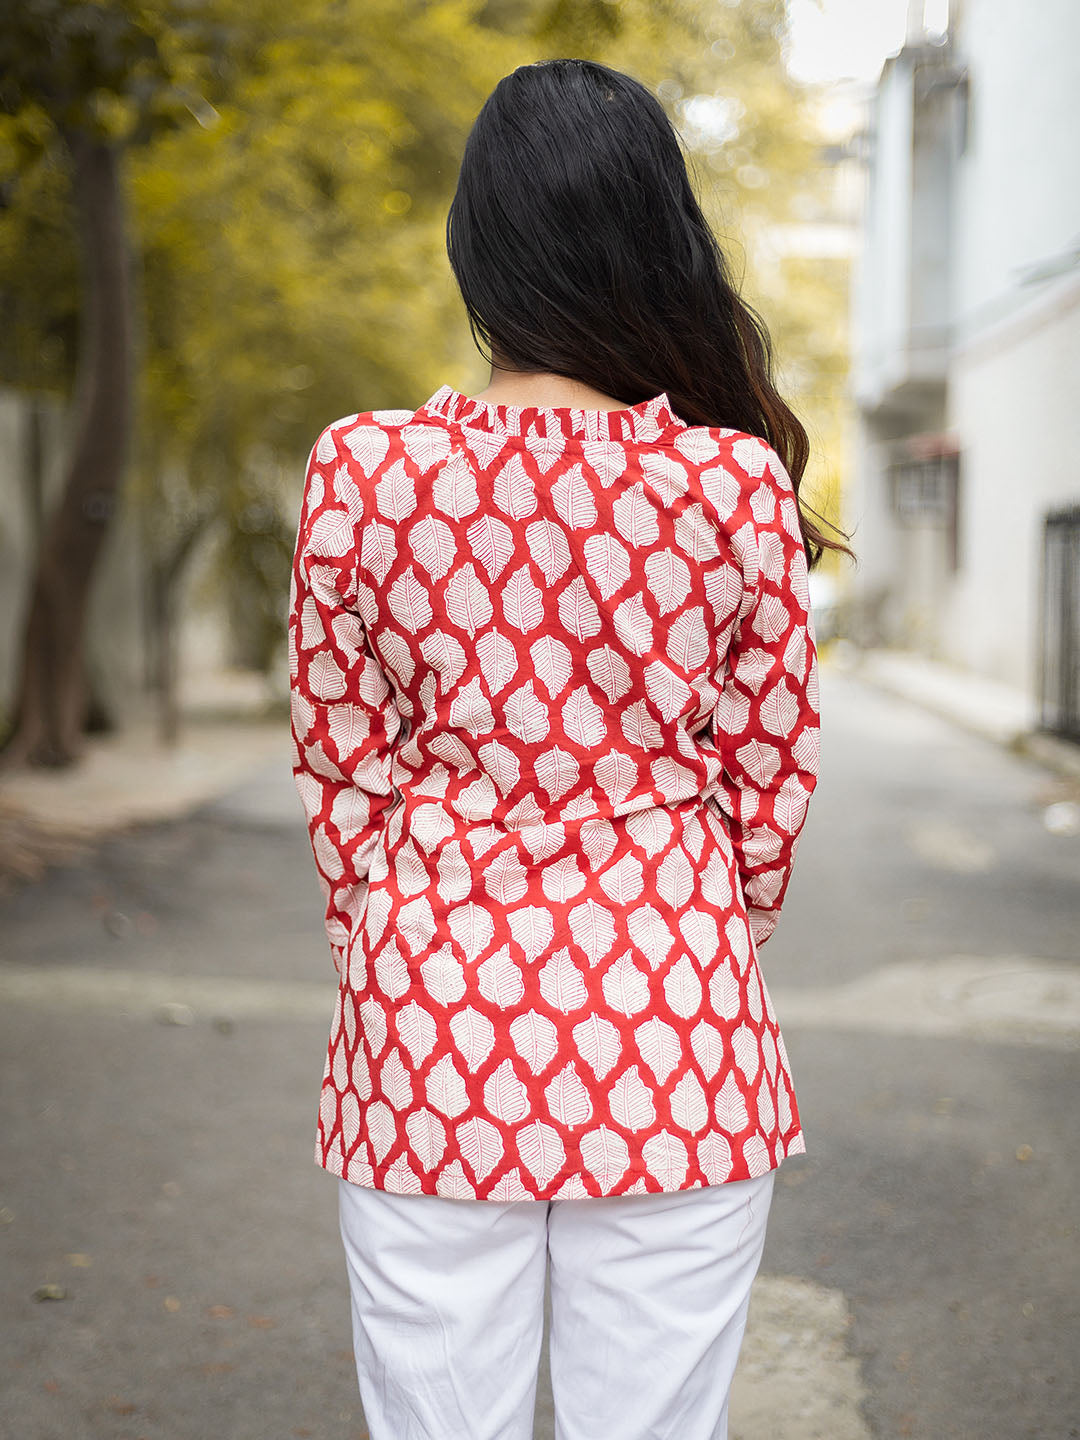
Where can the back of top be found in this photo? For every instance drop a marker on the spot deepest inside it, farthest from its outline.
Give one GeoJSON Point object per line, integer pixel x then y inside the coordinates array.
{"type": "Point", "coordinates": [555, 708]}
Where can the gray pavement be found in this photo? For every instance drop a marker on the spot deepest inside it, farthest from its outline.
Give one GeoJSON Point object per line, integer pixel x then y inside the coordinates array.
{"type": "Point", "coordinates": [163, 1013]}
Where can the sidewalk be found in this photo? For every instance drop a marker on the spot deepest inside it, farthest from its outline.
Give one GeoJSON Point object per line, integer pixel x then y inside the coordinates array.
{"type": "Point", "coordinates": [998, 712]}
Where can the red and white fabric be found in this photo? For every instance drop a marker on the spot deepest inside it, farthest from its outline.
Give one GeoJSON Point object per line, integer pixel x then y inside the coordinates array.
{"type": "Point", "coordinates": [556, 723]}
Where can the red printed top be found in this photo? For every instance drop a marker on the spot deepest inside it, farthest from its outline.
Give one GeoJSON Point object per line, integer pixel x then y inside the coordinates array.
{"type": "Point", "coordinates": [555, 712]}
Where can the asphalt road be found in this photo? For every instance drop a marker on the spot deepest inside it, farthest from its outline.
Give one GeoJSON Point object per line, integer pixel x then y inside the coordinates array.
{"type": "Point", "coordinates": [921, 1274]}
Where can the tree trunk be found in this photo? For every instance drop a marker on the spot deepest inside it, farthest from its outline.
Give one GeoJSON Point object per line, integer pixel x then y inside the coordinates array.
{"type": "Point", "coordinates": [52, 691]}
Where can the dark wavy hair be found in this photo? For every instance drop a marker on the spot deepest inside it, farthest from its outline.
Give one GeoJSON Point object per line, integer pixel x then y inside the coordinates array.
{"type": "Point", "coordinates": [580, 249]}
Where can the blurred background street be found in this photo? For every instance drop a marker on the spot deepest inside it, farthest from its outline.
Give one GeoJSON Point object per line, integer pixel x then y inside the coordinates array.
{"type": "Point", "coordinates": [222, 228]}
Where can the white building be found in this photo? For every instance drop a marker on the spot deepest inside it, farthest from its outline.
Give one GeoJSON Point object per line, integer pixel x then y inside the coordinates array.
{"type": "Point", "coordinates": [965, 493]}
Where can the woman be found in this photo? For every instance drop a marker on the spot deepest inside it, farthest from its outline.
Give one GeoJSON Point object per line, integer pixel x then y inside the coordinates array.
{"type": "Point", "coordinates": [555, 704]}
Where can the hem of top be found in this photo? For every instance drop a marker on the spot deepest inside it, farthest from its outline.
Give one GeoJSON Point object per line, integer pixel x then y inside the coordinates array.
{"type": "Point", "coordinates": [336, 1165]}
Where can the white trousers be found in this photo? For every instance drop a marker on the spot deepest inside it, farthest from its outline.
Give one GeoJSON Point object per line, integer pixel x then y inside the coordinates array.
{"type": "Point", "coordinates": [649, 1295]}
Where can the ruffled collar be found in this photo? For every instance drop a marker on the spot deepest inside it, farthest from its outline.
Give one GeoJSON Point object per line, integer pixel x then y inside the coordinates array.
{"type": "Point", "coordinates": [648, 420]}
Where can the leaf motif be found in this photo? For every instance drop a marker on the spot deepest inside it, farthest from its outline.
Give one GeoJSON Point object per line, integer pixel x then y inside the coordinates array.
{"type": "Point", "coordinates": [556, 772]}
{"type": "Point", "coordinates": [666, 1159]}
{"type": "Point", "coordinates": [630, 1101]}
{"type": "Point", "coordinates": [505, 1095]}
{"type": "Point", "coordinates": [545, 449]}
{"type": "Point", "coordinates": [683, 988]}
{"type": "Point", "coordinates": [467, 601]}
{"type": "Point", "coordinates": [605, 1155]}
{"type": "Point", "coordinates": [526, 715]}
{"type": "Point", "coordinates": [635, 519]}
{"type": "Point", "coordinates": [659, 1047]}
{"type": "Point", "coordinates": [498, 659]}
{"type": "Point", "coordinates": [481, 1145]}
{"type": "Point", "coordinates": [606, 457]}
{"type": "Point", "coordinates": [549, 548]}
{"type": "Point", "coordinates": [626, 989]}
{"type": "Point", "coordinates": [394, 1081]}
{"type": "Point", "coordinates": [535, 1039]}
{"type": "Point", "coordinates": [474, 1036]}
{"type": "Point", "coordinates": [689, 1107]}
{"type": "Point", "coordinates": [409, 602]}
{"type": "Point", "coordinates": [578, 614]}
{"type": "Point", "coordinates": [523, 605]}
{"type": "Point", "coordinates": [714, 1157]}
{"type": "Point", "coordinates": [573, 499]}
{"type": "Point", "coordinates": [616, 774]}
{"type": "Point", "coordinates": [417, 1031]}
{"type": "Point", "coordinates": [607, 563]}
{"type": "Point", "coordinates": [443, 977]}
{"type": "Point", "coordinates": [425, 445]}
{"type": "Point", "coordinates": [446, 657]}
{"type": "Point", "coordinates": [633, 625]}
{"type": "Point", "coordinates": [609, 672]}
{"type": "Point", "coordinates": [492, 543]}
{"type": "Point", "coordinates": [598, 1044]}
{"type": "Point", "coordinates": [368, 445]}
{"type": "Point", "coordinates": [561, 983]}
{"type": "Point", "coordinates": [472, 927]}
{"type": "Point", "coordinates": [567, 1098]}
{"type": "Point", "coordinates": [766, 1110]}
{"type": "Point", "coordinates": [395, 494]}
{"type": "Point", "coordinates": [427, 1137]}
{"type": "Point", "coordinates": [506, 879]}
{"type": "Point", "coordinates": [593, 929]}
{"type": "Point", "coordinates": [500, 980]}
{"type": "Point", "coordinates": [698, 445]}
{"type": "Point", "coordinates": [533, 929]}
{"type": "Point", "coordinates": [454, 488]}
{"type": "Point", "coordinates": [552, 664]}
{"type": "Point", "coordinates": [541, 1151]}
{"type": "Point", "coordinates": [750, 455]}
{"type": "Point", "coordinates": [392, 971]}
{"type": "Point", "coordinates": [432, 544]}
{"type": "Point", "coordinates": [513, 491]}
{"type": "Point", "coordinates": [381, 1126]}
{"type": "Point", "coordinates": [445, 1088]}
{"type": "Point", "coordinates": [650, 933]}
{"type": "Point", "coordinates": [688, 639]}
{"type": "Point", "coordinates": [582, 718]}
{"type": "Point", "coordinates": [624, 881]}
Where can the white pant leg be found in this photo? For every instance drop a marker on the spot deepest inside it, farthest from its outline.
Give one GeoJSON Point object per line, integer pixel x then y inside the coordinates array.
{"type": "Point", "coordinates": [448, 1312]}
{"type": "Point", "coordinates": [649, 1295]}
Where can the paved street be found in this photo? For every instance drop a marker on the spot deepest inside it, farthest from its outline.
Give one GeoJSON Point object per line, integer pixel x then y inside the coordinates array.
{"type": "Point", "coordinates": [163, 1014]}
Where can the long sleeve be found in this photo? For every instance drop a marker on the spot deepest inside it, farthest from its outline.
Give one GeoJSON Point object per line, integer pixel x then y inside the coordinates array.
{"type": "Point", "coordinates": [766, 720]}
{"type": "Point", "coordinates": [344, 715]}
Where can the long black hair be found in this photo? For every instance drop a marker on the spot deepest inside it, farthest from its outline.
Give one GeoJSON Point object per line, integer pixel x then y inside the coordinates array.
{"type": "Point", "coordinates": [579, 248]}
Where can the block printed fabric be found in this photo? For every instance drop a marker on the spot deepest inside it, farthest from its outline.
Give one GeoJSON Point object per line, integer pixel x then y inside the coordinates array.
{"type": "Point", "coordinates": [556, 726]}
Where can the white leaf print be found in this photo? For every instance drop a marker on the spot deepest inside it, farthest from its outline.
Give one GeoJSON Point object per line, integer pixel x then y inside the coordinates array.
{"type": "Point", "coordinates": [472, 927]}
{"type": "Point", "coordinates": [443, 977]}
{"type": "Point", "coordinates": [766, 1110]}
{"type": "Point", "coordinates": [572, 1188]}
{"type": "Point", "coordinates": [659, 1047]}
{"type": "Point", "coordinates": [409, 602]}
{"type": "Point", "coordinates": [498, 660]}
{"type": "Point", "coordinates": [561, 983]}
{"type": "Point", "coordinates": [624, 881]}
{"type": "Point", "coordinates": [698, 445]}
{"type": "Point", "coordinates": [432, 543]}
{"type": "Point", "coordinates": [417, 1031]}
{"type": "Point", "coordinates": [753, 995]}
{"type": "Point", "coordinates": [578, 614]}
{"type": "Point", "coordinates": [373, 1024]}
{"type": "Point", "coordinates": [523, 605]}
{"type": "Point", "coordinates": [454, 871]}
{"type": "Point", "coordinates": [609, 672]}
{"type": "Point", "coordinates": [760, 760]}
{"type": "Point", "coordinates": [474, 1036]}
{"type": "Point", "coordinates": [722, 490]}
{"type": "Point", "coordinates": [626, 989]}
{"type": "Point", "coordinates": [616, 773]}
{"type": "Point", "coordinates": [513, 491]}
{"type": "Point", "coordinates": [573, 499]}
{"type": "Point", "coordinates": [397, 657]}
{"type": "Point", "coordinates": [640, 727]}
{"type": "Point", "coordinates": [582, 718]}
{"type": "Point", "coordinates": [454, 488]}
{"type": "Point", "coordinates": [470, 710]}
{"type": "Point", "coordinates": [667, 691]}
{"type": "Point", "coordinates": [724, 590]}
{"type": "Point", "coordinates": [784, 1116]}
{"type": "Point", "coordinates": [779, 712]}
{"type": "Point", "coordinates": [467, 601]}
{"type": "Point", "coordinates": [368, 446]}
{"type": "Point", "coordinates": [556, 772]}
{"type": "Point", "coordinates": [453, 1184]}
{"type": "Point", "coordinates": [606, 457]}
{"type": "Point", "coordinates": [745, 1048]}
{"type": "Point", "coordinates": [676, 879]}
{"type": "Point", "coordinates": [500, 980]}
{"type": "Point", "coordinates": [541, 1151]}
{"type": "Point", "coordinates": [593, 929]}
{"type": "Point", "coordinates": [425, 445]}
{"type": "Point", "coordinates": [689, 1107]}
{"type": "Point", "coordinates": [567, 1098]}
{"type": "Point", "coordinates": [562, 880]}
{"type": "Point", "coordinates": [510, 1188]}
{"type": "Point", "coordinates": [724, 993]}
{"type": "Point", "coordinates": [714, 1157]}
{"type": "Point", "coordinates": [768, 1050]}
{"type": "Point", "coordinates": [756, 1156]}
{"type": "Point", "coordinates": [771, 618]}
{"type": "Point", "coordinates": [552, 662]}
{"type": "Point", "coordinates": [729, 1107]}
{"type": "Point", "coordinates": [502, 765]}
{"type": "Point", "coordinates": [506, 879]}
{"type": "Point", "coordinates": [492, 543]}
{"type": "Point", "coordinates": [505, 1094]}
{"type": "Point", "coordinates": [427, 1137]}
{"type": "Point", "coordinates": [481, 1146]}
{"type": "Point", "coordinates": [666, 1159]}
{"type": "Point", "coordinates": [446, 657]}
{"type": "Point", "coordinates": [549, 549]}
{"type": "Point", "coordinates": [665, 474]}
{"type": "Point", "coordinates": [394, 1081]}
{"type": "Point", "coordinates": [545, 449]}
{"type": "Point", "coordinates": [683, 988]}
{"type": "Point", "coordinates": [445, 1088]}
{"type": "Point", "coordinates": [605, 1156]}
{"type": "Point", "coordinates": [651, 934]}
{"type": "Point", "coordinates": [392, 971]}
{"type": "Point", "coordinates": [750, 455]}
{"type": "Point", "coordinates": [324, 677]}
{"type": "Point", "coordinates": [381, 1128]}
{"type": "Point", "coordinates": [630, 1101]}
{"type": "Point", "coordinates": [608, 563]}
{"type": "Point", "coordinates": [535, 1039]}
{"type": "Point", "coordinates": [311, 627]}
{"type": "Point", "coordinates": [395, 494]}
{"type": "Point", "coordinates": [527, 715]}
{"type": "Point", "coordinates": [598, 1044]}
{"type": "Point", "coordinates": [688, 639]}
{"type": "Point", "coordinates": [533, 928]}
{"type": "Point", "coordinates": [635, 519]}
{"type": "Point", "coordinates": [698, 928]}
{"type": "Point", "coordinates": [669, 579]}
